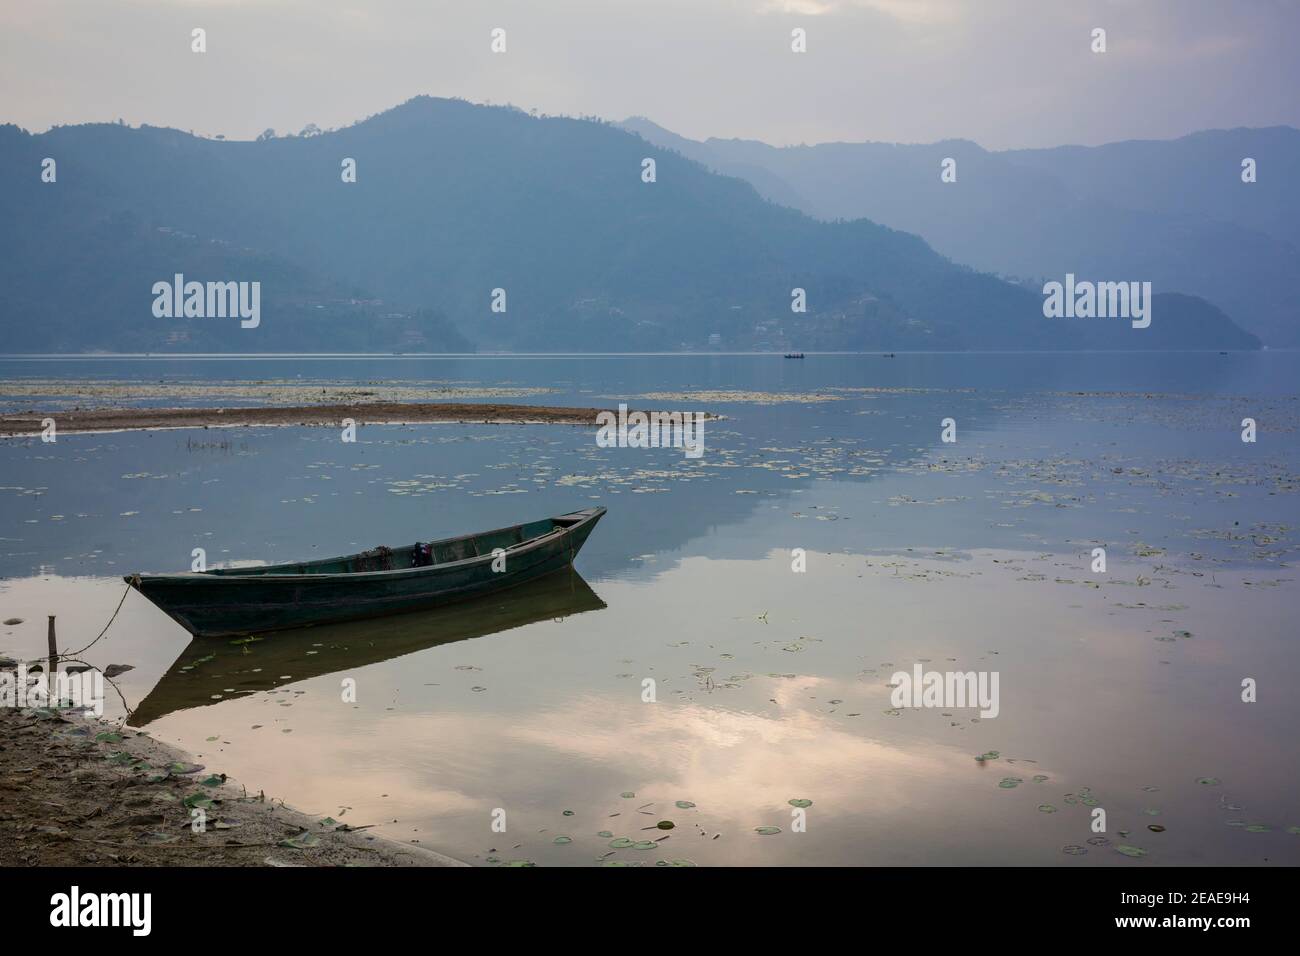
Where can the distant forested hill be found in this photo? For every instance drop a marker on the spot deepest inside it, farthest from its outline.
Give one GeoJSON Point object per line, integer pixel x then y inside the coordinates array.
{"type": "Point", "coordinates": [454, 200]}
{"type": "Point", "coordinates": [1173, 212]}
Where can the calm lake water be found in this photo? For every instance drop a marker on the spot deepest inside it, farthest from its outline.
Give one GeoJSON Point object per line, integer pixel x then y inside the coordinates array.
{"type": "Point", "coordinates": [1120, 691]}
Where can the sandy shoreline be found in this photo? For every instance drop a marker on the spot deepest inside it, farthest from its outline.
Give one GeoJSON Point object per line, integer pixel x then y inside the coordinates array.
{"type": "Point", "coordinates": [84, 792]}
{"type": "Point", "coordinates": [362, 413]}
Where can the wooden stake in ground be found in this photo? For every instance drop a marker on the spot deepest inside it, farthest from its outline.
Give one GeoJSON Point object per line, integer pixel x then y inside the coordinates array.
{"type": "Point", "coordinates": [54, 654]}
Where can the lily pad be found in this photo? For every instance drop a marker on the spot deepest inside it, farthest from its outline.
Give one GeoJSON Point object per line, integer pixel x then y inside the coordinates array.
{"type": "Point", "coordinates": [767, 831]}
{"type": "Point", "coordinates": [685, 805]}
{"type": "Point", "coordinates": [1133, 851]}
{"type": "Point", "coordinates": [1010, 783]}
{"type": "Point", "coordinates": [800, 802]}
{"type": "Point", "coordinates": [302, 841]}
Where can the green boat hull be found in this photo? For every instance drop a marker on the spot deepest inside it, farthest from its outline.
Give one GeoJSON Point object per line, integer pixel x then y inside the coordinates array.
{"type": "Point", "coordinates": [209, 672]}
{"type": "Point", "coordinates": [232, 602]}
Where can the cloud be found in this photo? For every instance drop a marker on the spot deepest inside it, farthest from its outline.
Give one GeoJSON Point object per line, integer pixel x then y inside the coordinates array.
{"type": "Point", "coordinates": [912, 12]}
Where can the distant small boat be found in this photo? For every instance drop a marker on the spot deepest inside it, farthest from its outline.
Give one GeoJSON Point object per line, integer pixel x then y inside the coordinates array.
{"type": "Point", "coordinates": [228, 602]}
{"type": "Point", "coordinates": [794, 355]}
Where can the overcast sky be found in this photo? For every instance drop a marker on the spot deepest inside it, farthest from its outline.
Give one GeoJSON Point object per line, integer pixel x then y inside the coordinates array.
{"type": "Point", "coordinates": [1004, 73]}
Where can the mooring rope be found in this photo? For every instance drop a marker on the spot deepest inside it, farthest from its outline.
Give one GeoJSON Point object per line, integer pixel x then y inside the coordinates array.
{"type": "Point", "coordinates": [135, 580]}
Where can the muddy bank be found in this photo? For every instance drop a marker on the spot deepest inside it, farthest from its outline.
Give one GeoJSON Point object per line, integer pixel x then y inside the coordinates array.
{"type": "Point", "coordinates": [363, 413]}
{"type": "Point", "coordinates": [79, 792]}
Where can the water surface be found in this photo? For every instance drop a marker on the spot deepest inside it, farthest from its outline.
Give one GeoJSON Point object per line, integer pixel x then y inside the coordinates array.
{"type": "Point", "coordinates": [770, 685]}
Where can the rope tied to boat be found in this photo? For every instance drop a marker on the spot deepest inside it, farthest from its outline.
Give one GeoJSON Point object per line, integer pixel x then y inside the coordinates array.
{"type": "Point", "coordinates": [134, 582]}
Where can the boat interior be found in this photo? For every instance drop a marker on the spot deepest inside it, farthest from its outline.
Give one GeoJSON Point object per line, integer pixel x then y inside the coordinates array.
{"type": "Point", "coordinates": [415, 555]}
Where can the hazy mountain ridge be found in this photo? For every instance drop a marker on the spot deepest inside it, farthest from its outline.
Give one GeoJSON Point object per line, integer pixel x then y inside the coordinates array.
{"type": "Point", "coordinates": [453, 200]}
{"type": "Point", "coordinates": [1173, 212]}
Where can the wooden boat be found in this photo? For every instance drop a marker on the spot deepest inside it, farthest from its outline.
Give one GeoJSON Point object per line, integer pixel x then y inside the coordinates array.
{"type": "Point", "coordinates": [229, 602]}
{"type": "Point", "coordinates": [208, 672]}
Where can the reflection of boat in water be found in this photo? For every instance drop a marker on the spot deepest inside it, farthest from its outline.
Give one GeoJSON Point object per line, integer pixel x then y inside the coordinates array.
{"type": "Point", "coordinates": [209, 671]}
{"type": "Point", "coordinates": [226, 602]}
